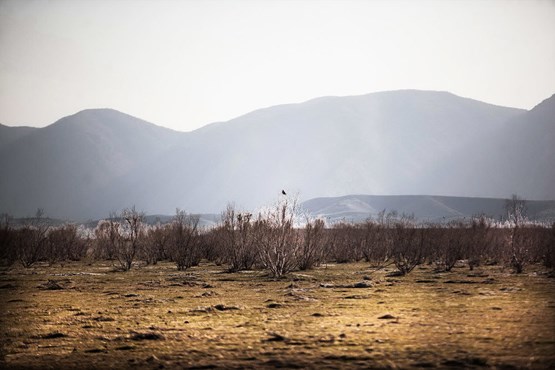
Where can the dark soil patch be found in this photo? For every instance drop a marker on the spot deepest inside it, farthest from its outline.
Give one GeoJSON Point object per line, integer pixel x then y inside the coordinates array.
{"type": "Point", "coordinates": [51, 285]}
{"type": "Point", "coordinates": [52, 335]}
{"type": "Point", "coordinates": [147, 336]}
{"type": "Point", "coordinates": [387, 317]}
{"type": "Point", "coordinates": [275, 337]}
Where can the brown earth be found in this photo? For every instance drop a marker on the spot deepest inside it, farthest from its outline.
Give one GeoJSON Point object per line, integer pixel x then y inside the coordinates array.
{"type": "Point", "coordinates": [336, 316]}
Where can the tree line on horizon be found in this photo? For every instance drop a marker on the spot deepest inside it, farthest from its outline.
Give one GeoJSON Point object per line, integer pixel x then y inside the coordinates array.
{"type": "Point", "coordinates": [280, 240]}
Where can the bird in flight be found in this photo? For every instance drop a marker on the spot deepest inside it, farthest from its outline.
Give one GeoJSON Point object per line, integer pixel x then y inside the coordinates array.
{"type": "Point", "coordinates": [283, 192]}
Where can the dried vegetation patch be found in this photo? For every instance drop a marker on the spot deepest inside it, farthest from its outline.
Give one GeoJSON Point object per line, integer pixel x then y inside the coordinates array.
{"type": "Point", "coordinates": [80, 316]}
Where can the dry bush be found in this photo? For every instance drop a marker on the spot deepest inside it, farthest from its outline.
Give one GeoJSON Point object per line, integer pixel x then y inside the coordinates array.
{"type": "Point", "coordinates": [480, 242]}
{"type": "Point", "coordinates": [376, 241]}
{"type": "Point", "coordinates": [130, 238]}
{"type": "Point", "coordinates": [548, 247]}
{"type": "Point", "coordinates": [65, 244]}
{"type": "Point", "coordinates": [312, 252]}
{"type": "Point", "coordinates": [120, 237]}
{"type": "Point", "coordinates": [520, 243]}
{"type": "Point", "coordinates": [156, 243]}
{"type": "Point", "coordinates": [185, 243]}
{"type": "Point", "coordinates": [453, 242]}
{"type": "Point", "coordinates": [31, 240]}
{"type": "Point", "coordinates": [344, 242]}
{"type": "Point", "coordinates": [238, 239]}
{"type": "Point", "coordinates": [407, 245]}
{"type": "Point", "coordinates": [278, 241]}
{"type": "Point", "coordinates": [7, 241]}
{"type": "Point", "coordinates": [214, 246]}
{"type": "Point", "coordinates": [107, 235]}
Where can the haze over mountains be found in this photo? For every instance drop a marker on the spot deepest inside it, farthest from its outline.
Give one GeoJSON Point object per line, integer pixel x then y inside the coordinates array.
{"type": "Point", "coordinates": [399, 142]}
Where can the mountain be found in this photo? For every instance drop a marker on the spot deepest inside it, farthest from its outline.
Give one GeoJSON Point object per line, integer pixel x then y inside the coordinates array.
{"type": "Point", "coordinates": [395, 142]}
{"type": "Point", "coordinates": [10, 134]}
{"type": "Point", "coordinates": [62, 167]}
{"type": "Point", "coordinates": [422, 207]}
{"type": "Point", "coordinates": [388, 143]}
{"type": "Point", "coordinates": [516, 158]}
{"type": "Point", "coordinates": [529, 145]}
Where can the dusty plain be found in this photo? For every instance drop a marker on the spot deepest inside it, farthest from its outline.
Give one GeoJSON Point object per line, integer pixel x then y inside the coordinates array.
{"type": "Point", "coordinates": [80, 316]}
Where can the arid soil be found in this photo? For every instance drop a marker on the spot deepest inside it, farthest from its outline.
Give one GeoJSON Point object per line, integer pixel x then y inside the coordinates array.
{"type": "Point", "coordinates": [336, 316]}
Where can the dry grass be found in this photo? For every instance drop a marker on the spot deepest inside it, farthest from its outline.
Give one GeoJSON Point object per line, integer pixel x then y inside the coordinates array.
{"type": "Point", "coordinates": [156, 317]}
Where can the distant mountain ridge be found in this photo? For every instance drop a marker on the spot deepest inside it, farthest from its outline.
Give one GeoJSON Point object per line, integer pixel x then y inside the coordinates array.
{"type": "Point", "coordinates": [63, 167]}
{"type": "Point", "coordinates": [10, 134]}
{"type": "Point", "coordinates": [397, 142]}
{"type": "Point", "coordinates": [424, 208]}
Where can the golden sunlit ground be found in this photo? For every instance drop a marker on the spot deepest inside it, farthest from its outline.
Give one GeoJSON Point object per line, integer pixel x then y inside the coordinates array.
{"type": "Point", "coordinates": [344, 315]}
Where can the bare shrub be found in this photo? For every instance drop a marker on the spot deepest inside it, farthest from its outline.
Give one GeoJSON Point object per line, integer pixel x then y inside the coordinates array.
{"type": "Point", "coordinates": [345, 241]}
{"type": "Point", "coordinates": [238, 239]}
{"type": "Point", "coordinates": [516, 209]}
{"type": "Point", "coordinates": [480, 241]}
{"type": "Point", "coordinates": [157, 240]}
{"type": "Point", "coordinates": [129, 240]}
{"type": "Point", "coordinates": [376, 241]}
{"type": "Point", "coordinates": [407, 245]}
{"type": "Point", "coordinates": [369, 240]}
{"type": "Point", "coordinates": [65, 244]}
{"type": "Point", "coordinates": [453, 243]}
{"type": "Point", "coordinates": [7, 241]}
{"type": "Point", "coordinates": [31, 240]}
{"type": "Point", "coordinates": [108, 235]}
{"type": "Point", "coordinates": [548, 247]}
{"type": "Point", "coordinates": [185, 240]}
{"type": "Point", "coordinates": [278, 241]}
{"type": "Point", "coordinates": [214, 248]}
{"type": "Point", "coordinates": [312, 251]}
{"type": "Point", "coordinates": [487, 246]}
{"type": "Point", "coordinates": [519, 241]}
{"type": "Point", "coordinates": [434, 235]}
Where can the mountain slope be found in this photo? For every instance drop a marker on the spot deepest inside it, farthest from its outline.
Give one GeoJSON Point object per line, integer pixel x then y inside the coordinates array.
{"type": "Point", "coordinates": [62, 167]}
{"type": "Point", "coordinates": [10, 134]}
{"type": "Point", "coordinates": [383, 143]}
{"type": "Point", "coordinates": [516, 158]}
{"type": "Point", "coordinates": [530, 151]}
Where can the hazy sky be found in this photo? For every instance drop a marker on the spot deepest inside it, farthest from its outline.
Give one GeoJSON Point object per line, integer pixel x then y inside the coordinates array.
{"type": "Point", "coordinates": [184, 64]}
